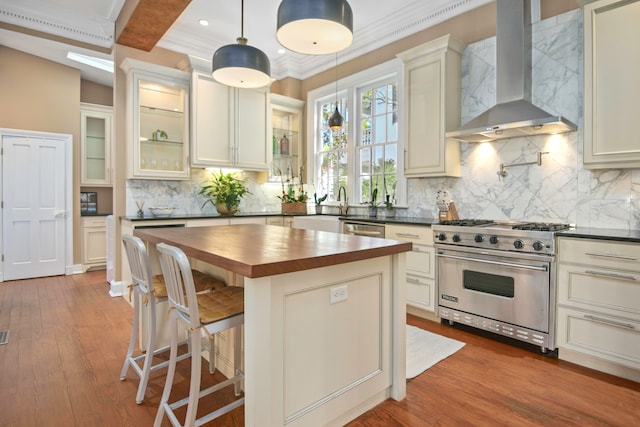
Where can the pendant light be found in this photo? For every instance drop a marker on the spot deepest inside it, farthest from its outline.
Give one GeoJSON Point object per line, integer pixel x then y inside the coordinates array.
{"type": "Point", "coordinates": [335, 121]}
{"type": "Point", "coordinates": [241, 65]}
{"type": "Point", "coordinates": [315, 27]}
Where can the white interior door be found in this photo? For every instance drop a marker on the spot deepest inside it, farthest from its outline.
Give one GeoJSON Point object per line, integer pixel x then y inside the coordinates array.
{"type": "Point", "coordinates": [34, 196]}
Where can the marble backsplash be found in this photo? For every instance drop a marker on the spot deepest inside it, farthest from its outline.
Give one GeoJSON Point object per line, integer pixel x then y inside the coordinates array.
{"type": "Point", "coordinates": [560, 190]}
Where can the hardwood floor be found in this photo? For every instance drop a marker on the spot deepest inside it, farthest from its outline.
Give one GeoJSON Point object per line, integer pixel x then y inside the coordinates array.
{"type": "Point", "coordinates": [68, 338]}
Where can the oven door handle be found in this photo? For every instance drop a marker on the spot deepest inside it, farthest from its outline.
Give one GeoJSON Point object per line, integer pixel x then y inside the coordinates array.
{"type": "Point", "coordinates": [506, 264]}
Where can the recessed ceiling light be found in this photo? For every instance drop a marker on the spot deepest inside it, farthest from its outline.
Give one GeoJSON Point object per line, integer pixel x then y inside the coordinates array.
{"type": "Point", "coordinates": [103, 64]}
{"type": "Point", "coordinates": [281, 51]}
{"type": "Point", "coordinates": [203, 22]}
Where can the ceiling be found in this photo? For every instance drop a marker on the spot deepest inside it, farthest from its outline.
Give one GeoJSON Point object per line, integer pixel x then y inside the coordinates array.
{"type": "Point", "coordinates": [50, 28]}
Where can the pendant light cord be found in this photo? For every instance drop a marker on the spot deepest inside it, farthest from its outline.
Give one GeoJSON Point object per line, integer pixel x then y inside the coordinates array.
{"type": "Point", "coordinates": [336, 79]}
{"type": "Point", "coordinates": [242, 19]}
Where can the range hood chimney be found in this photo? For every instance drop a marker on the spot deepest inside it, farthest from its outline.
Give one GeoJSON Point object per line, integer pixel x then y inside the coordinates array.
{"type": "Point", "coordinates": [513, 115]}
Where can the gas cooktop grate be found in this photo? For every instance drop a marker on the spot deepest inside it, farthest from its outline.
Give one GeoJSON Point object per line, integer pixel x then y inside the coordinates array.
{"type": "Point", "coordinates": [466, 222]}
{"type": "Point", "coordinates": [541, 226]}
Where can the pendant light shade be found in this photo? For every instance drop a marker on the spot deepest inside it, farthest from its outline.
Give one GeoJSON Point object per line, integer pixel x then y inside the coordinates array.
{"type": "Point", "coordinates": [335, 121]}
{"type": "Point", "coordinates": [315, 27]}
{"type": "Point", "coordinates": [241, 65]}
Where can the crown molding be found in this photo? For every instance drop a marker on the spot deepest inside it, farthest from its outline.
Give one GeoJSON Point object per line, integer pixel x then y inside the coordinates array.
{"type": "Point", "coordinates": [99, 31]}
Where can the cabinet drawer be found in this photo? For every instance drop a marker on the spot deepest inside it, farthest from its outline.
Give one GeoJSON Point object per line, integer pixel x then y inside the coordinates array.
{"type": "Point", "coordinates": [405, 233]}
{"type": "Point", "coordinates": [421, 259]}
{"type": "Point", "coordinates": [420, 292]}
{"type": "Point", "coordinates": [94, 222]}
{"type": "Point", "coordinates": [595, 288]}
{"type": "Point", "coordinates": [610, 338]}
{"type": "Point", "coordinates": [602, 253]}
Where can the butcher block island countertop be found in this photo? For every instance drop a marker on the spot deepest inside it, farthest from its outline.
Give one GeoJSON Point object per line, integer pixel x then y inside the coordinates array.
{"type": "Point", "coordinates": [325, 317]}
{"type": "Point", "coordinates": [254, 250]}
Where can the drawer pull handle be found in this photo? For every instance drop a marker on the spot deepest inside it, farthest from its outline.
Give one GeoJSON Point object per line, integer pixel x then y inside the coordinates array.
{"type": "Point", "coordinates": [410, 280]}
{"type": "Point", "coordinates": [413, 236]}
{"type": "Point", "coordinates": [610, 322]}
{"type": "Point", "coordinates": [612, 275]}
{"type": "Point", "coordinates": [629, 258]}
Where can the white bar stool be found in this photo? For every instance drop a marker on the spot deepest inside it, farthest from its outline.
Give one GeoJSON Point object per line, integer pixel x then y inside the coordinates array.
{"type": "Point", "coordinates": [152, 290]}
{"type": "Point", "coordinates": [212, 313]}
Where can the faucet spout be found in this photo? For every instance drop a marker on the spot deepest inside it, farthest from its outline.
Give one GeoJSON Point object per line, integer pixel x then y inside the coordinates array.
{"type": "Point", "coordinates": [344, 207]}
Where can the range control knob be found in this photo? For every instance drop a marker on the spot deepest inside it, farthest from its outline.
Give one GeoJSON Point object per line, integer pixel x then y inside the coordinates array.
{"type": "Point", "coordinates": [442, 236]}
{"type": "Point", "coordinates": [456, 238]}
{"type": "Point", "coordinates": [518, 244]}
{"type": "Point", "coordinates": [479, 238]}
{"type": "Point", "coordinates": [538, 245]}
{"type": "Point", "coordinates": [493, 240]}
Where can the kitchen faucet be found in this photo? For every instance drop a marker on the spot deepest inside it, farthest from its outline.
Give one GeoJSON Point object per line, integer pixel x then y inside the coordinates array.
{"type": "Point", "coordinates": [343, 208]}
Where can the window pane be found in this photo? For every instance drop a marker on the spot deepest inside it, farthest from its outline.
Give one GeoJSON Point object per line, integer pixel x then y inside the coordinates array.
{"type": "Point", "coordinates": [365, 161]}
{"type": "Point", "coordinates": [390, 159]}
{"type": "Point", "coordinates": [392, 128]}
{"type": "Point", "coordinates": [381, 100]}
{"type": "Point", "coordinates": [380, 131]}
{"type": "Point", "coordinates": [378, 159]}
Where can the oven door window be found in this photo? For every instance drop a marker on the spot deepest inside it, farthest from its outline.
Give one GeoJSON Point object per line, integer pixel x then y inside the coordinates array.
{"type": "Point", "coordinates": [488, 283]}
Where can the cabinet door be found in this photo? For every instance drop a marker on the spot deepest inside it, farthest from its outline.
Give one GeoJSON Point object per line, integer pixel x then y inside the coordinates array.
{"type": "Point", "coordinates": [286, 135]}
{"type": "Point", "coordinates": [157, 121]}
{"type": "Point", "coordinates": [211, 123]}
{"type": "Point", "coordinates": [612, 88]}
{"type": "Point", "coordinates": [95, 148]}
{"type": "Point", "coordinates": [432, 106]}
{"type": "Point", "coordinates": [94, 241]}
{"type": "Point", "coordinates": [252, 123]}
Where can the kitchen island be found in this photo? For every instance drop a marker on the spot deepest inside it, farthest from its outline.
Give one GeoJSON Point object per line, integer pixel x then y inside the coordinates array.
{"type": "Point", "coordinates": [324, 333]}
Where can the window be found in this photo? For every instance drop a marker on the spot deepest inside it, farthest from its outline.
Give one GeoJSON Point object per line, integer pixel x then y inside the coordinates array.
{"type": "Point", "coordinates": [366, 154]}
{"type": "Point", "coordinates": [377, 143]}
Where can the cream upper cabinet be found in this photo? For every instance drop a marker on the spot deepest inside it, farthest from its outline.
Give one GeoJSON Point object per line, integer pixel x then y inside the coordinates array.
{"type": "Point", "coordinates": [157, 121]}
{"type": "Point", "coordinates": [286, 135]}
{"type": "Point", "coordinates": [611, 84]}
{"type": "Point", "coordinates": [229, 126]}
{"type": "Point", "coordinates": [432, 107]}
{"type": "Point", "coordinates": [95, 149]}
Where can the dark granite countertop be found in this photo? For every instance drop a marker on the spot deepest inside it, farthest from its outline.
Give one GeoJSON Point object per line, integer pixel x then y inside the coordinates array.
{"type": "Point", "coordinates": [602, 234]}
{"type": "Point", "coordinates": [149, 217]}
{"type": "Point", "coordinates": [394, 220]}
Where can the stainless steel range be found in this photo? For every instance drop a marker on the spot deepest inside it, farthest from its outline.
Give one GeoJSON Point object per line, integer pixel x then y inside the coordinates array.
{"type": "Point", "coordinates": [498, 276]}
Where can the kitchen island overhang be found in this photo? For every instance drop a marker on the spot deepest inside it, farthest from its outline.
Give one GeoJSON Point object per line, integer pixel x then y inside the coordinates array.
{"type": "Point", "coordinates": [324, 333]}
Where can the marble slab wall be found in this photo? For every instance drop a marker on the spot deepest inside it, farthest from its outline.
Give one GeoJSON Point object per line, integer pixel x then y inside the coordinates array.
{"type": "Point", "coordinates": [560, 190]}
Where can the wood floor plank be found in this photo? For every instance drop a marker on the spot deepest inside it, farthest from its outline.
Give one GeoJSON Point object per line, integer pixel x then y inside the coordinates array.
{"type": "Point", "coordinates": [68, 338]}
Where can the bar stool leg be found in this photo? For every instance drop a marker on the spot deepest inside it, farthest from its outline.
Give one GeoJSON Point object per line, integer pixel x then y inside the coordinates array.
{"type": "Point", "coordinates": [237, 359]}
{"type": "Point", "coordinates": [171, 371]}
{"type": "Point", "coordinates": [134, 337]}
{"type": "Point", "coordinates": [194, 387]}
{"type": "Point", "coordinates": [151, 345]}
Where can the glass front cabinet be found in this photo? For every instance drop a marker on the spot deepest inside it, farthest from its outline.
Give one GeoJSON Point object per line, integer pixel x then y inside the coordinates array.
{"type": "Point", "coordinates": [286, 136]}
{"type": "Point", "coordinates": [95, 148]}
{"type": "Point", "coordinates": [157, 121]}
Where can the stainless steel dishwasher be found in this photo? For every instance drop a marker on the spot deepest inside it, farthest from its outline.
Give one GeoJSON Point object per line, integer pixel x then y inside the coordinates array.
{"type": "Point", "coordinates": [363, 228]}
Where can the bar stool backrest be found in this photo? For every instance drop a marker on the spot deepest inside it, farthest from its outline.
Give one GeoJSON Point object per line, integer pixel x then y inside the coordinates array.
{"type": "Point", "coordinates": [179, 282]}
{"type": "Point", "coordinates": [138, 263]}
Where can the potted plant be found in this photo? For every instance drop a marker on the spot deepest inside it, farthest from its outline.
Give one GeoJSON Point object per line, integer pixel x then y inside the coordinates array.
{"type": "Point", "coordinates": [294, 198]}
{"type": "Point", "coordinates": [373, 204]}
{"type": "Point", "coordinates": [224, 191]}
{"type": "Point", "coordinates": [318, 201]}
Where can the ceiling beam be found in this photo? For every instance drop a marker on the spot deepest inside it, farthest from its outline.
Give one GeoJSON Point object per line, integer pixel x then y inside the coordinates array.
{"type": "Point", "coordinates": [142, 23]}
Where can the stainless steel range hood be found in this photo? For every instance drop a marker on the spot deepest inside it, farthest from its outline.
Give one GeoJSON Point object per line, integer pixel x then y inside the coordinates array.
{"type": "Point", "coordinates": [514, 115]}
